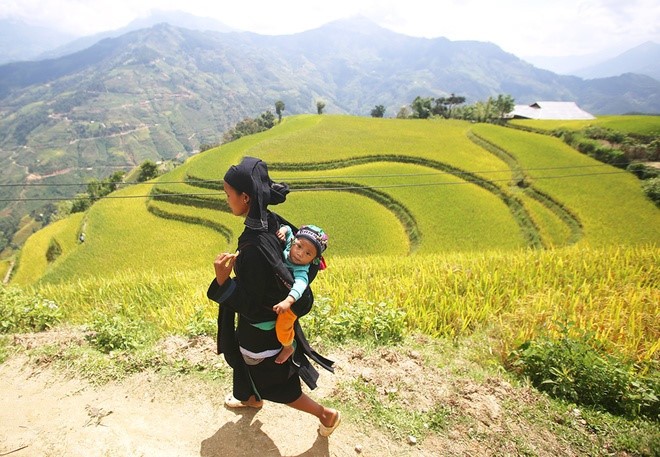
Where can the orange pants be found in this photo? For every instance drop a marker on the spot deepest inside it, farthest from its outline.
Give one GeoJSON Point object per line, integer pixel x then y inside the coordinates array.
{"type": "Point", "coordinates": [284, 327]}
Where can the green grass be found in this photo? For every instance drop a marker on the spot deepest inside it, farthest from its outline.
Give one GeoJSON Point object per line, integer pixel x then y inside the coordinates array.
{"type": "Point", "coordinates": [141, 242]}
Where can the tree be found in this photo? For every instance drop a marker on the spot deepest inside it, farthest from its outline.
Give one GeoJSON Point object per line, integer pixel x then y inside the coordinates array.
{"type": "Point", "coordinates": [320, 105]}
{"type": "Point", "coordinates": [148, 170]}
{"type": "Point", "coordinates": [266, 120]}
{"type": "Point", "coordinates": [404, 113]}
{"type": "Point", "coordinates": [81, 203]}
{"type": "Point", "coordinates": [54, 250]}
{"type": "Point", "coordinates": [98, 189]}
{"type": "Point", "coordinates": [504, 104]}
{"type": "Point", "coordinates": [421, 107]}
{"type": "Point", "coordinates": [115, 179]}
{"type": "Point", "coordinates": [451, 102]}
{"type": "Point", "coordinates": [378, 111]}
{"type": "Point", "coordinates": [444, 106]}
{"type": "Point", "coordinates": [279, 107]}
{"type": "Point", "coordinates": [249, 126]}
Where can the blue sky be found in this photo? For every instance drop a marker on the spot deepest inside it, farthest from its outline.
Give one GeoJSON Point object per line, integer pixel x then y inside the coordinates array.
{"type": "Point", "coordinates": [522, 27]}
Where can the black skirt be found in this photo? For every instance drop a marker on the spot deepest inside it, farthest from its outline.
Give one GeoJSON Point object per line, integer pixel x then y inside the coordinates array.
{"type": "Point", "coordinates": [275, 382]}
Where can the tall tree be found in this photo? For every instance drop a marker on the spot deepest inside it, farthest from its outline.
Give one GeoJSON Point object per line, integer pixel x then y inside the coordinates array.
{"type": "Point", "coordinates": [279, 107]}
{"type": "Point", "coordinates": [451, 102]}
{"type": "Point", "coordinates": [378, 111]}
{"type": "Point", "coordinates": [148, 170]}
{"type": "Point", "coordinates": [421, 107]}
{"type": "Point", "coordinates": [320, 105]}
{"type": "Point", "coordinates": [504, 104]}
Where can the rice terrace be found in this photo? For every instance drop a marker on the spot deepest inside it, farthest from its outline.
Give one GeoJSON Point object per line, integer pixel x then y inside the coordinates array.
{"type": "Point", "coordinates": [455, 231]}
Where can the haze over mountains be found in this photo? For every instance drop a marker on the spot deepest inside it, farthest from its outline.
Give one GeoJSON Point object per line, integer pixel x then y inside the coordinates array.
{"type": "Point", "coordinates": [163, 91]}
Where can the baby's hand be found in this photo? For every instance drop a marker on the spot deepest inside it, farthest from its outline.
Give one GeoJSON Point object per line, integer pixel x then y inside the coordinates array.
{"type": "Point", "coordinates": [281, 307]}
{"type": "Point", "coordinates": [281, 234]}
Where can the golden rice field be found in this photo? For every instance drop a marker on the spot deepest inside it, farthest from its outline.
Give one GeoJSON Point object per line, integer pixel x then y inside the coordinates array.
{"type": "Point", "coordinates": [639, 124]}
{"type": "Point", "coordinates": [512, 238]}
{"type": "Point", "coordinates": [613, 292]}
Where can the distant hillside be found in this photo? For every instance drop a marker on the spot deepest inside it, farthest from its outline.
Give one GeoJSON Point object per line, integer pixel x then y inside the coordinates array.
{"type": "Point", "coordinates": [162, 92]}
{"type": "Point", "coordinates": [643, 59]}
{"type": "Point", "coordinates": [21, 41]}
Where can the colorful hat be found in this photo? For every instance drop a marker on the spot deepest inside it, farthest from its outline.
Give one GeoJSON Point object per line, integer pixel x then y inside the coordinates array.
{"type": "Point", "coordinates": [316, 235]}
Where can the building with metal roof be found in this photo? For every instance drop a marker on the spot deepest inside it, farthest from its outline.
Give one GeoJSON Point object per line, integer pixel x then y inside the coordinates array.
{"type": "Point", "coordinates": [550, 110]}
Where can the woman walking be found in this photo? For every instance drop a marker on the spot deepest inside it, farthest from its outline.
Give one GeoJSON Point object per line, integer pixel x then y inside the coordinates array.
{"type": "Point", "coordinates": [261, 281]}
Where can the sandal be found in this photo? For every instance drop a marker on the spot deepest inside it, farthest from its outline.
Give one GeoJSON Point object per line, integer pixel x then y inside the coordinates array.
{"type": "Point", "coordinates": [233, 402]}
{"type": "Point", "coordinates": [327, 431]}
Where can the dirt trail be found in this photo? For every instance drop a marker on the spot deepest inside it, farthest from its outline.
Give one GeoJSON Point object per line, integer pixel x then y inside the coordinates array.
{"type": "Point", "coordinates": [42, 413]}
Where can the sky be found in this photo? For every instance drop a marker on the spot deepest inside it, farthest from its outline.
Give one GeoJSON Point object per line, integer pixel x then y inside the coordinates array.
{"type": "Point", "coordinates": [522, 27]}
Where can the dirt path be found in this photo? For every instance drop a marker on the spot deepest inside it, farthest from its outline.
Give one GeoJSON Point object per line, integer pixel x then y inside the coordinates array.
{"type": "Point", "coordinates": [470, 412]}
{"type": "Point", "coordinates": [42, 413]}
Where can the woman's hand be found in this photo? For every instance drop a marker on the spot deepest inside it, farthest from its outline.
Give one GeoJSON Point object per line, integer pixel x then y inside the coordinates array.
{"type": "Point", "coordinates": [223, 265]}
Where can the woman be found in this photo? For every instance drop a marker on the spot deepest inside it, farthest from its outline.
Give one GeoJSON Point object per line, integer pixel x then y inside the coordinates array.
{"type": "Point", "coordinates": [261, 281]}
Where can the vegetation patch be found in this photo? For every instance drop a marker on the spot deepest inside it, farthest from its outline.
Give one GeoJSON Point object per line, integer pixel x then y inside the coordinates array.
{"type": "Point", "coordinates": [573, 368]}
{"type": "Point", "coordinates": [21, 311]}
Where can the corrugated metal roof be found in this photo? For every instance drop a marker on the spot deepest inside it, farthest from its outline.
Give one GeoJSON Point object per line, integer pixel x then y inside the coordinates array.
{"type": "Point", "coordinates": [551, 110]}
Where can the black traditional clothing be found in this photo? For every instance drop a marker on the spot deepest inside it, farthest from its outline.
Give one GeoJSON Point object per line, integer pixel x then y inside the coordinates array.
{"type": "Point", "coordinates": [261, 281]}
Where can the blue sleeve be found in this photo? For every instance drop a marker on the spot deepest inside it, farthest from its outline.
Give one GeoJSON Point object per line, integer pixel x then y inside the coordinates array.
{"type": "Point", "coordinates": [300, 281]}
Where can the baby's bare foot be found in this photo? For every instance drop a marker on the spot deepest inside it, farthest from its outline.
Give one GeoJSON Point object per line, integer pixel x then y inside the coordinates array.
{"type": "Point", "coordinates": [284, 354]}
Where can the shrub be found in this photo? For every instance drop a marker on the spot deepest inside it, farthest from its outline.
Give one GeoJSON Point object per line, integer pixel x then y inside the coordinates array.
{"type": "Point", "coordinates": [651, 188]}
{"type": "Point", "coordinates": [54, 250]}
{"type": "Point", "coordinates": [200, 324]}
{"type": "Point", "coordinates": [571, 368]}
{"type": "Point", "coordinates": [643, 171]}
{"type": "Point", "coordinates": [382, 323]}
{"type": "Point", "coordinates": [117, 332]}
{"type": "Point", "coordinates": [23, 312]}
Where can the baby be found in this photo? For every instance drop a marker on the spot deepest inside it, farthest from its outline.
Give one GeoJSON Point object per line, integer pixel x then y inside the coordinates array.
{"type": "Point", "coordinates": [300, 251]}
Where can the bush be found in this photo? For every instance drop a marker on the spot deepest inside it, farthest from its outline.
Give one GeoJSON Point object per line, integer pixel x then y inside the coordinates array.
{"type": "Point", "coordinates": [643, 171]}
{"type": "Point", "coordinates": [382, 323]}
{"type": "Point", "coordinates": [22, 312]}
{"type": "Point", "coordinates": [117, 333]}
{"type": "Point", "coordinates": [54, 250]}
{"type": "Point", "coordinates": [572, 369]}
{"type": "Point", "coordinates": [200, 324]}
{"type": "Point", "coordinates": [651, 188]}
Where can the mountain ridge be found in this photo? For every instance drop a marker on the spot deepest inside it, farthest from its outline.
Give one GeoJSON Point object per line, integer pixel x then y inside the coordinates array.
{"type": "Point", "coordinates": [643, 59]}
{"type": "Point", "coordinates": [163, 92]}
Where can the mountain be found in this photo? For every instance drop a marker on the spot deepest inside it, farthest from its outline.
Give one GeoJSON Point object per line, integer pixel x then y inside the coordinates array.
{"type": "Point", "coordinates": [643, 59]}
{"type": "Point", "coordinates": [21, 41]}
{"type": "Point", "coordinates": [568, 65]}
{"type": "Point", "coordinates": [164, 91]}
{"type": "Point", "coordinates": [175, 18]}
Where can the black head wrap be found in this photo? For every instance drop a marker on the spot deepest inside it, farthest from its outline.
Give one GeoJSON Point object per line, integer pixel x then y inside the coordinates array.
{"type": "Point", "coordinates": [250, 176]}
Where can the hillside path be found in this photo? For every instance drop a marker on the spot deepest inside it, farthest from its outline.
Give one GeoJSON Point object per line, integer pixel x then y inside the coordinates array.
{"type": "Point", "coordinates": [44, 413]}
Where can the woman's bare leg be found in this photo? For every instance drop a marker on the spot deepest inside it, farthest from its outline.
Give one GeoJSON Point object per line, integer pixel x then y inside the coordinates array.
{"type": "Point", "coordinates": [327, 416]}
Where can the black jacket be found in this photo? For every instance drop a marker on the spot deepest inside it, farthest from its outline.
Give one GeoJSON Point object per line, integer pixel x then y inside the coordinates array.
{"type": "Point", "coordinates": [253, 293]}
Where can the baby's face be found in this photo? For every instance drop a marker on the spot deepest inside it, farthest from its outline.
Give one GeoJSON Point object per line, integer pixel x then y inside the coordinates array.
{"type": "Point", "coordinates": [302, 252]}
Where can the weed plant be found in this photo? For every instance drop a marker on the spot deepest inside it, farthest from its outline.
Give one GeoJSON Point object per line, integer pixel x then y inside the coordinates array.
{"type": "Point", "coordinates": [118, 332]}
{"type": "Point", "coordinates": [22, 311]}
{"type": "Point", "coordinates": [571, 367]}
